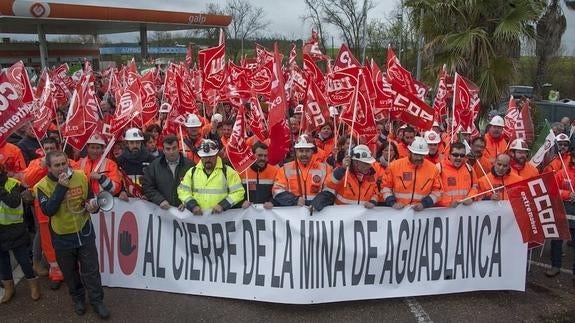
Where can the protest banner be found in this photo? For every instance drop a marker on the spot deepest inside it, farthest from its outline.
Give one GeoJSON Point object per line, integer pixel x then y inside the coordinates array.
{"type": "Point", "coordinates": [284, 255]}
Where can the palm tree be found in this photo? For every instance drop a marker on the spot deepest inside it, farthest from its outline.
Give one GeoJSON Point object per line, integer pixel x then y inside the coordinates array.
{"type": "Point", "coordinates": [478, 39]}
{"type": "Point", "coordinates": [550, 29]}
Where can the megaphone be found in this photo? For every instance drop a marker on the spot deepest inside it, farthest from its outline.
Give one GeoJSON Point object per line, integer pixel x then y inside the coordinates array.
{"type": "Point", "coordinates": [105, 201]}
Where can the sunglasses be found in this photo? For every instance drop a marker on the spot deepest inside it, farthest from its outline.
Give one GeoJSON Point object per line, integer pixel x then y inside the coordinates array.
{"type": "Point", "coordinates": [458, 155]}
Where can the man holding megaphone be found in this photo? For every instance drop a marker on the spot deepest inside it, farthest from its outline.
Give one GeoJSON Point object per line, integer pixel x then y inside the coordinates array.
{"type": "Point", "coordinates": [66, 198]}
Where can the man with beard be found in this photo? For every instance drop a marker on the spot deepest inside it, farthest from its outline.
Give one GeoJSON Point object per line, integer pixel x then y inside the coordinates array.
{"type": "Point", "coordinates": [258, 180]}
{"type": "Point", "coordinates": [518, 151]}
{"type": "Point", "coordinates": [210, 185]}
{"type": "Point", "coordinates": [162, 178]}
{"type": "Point", "coordinates": [135, 156]}
{"type": "Point", "coordinates": [412, 180]}
{"type": "Point", "coordinates": [458, 180]}
{"type": "Point", "coordinates": [406, 140]}
{"type": "Point", "coordinates": [361, 187]}
{"type": "Point", "coordinates": [500, 175]}
{"type": "Point", "coordinates": [298, 182]}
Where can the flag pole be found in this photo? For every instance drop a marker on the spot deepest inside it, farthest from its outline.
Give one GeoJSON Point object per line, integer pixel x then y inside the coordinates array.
{"type": "Point", "coordinates": [182, 140]}
{"type": "Point", "coordinates": [565, 168]}
{"type": "Point", "coordinates": [106, 151]}
{"type": "Point", "coordinates": [355, 94]}
{"type": "Point", "coordinates": [452, 120]}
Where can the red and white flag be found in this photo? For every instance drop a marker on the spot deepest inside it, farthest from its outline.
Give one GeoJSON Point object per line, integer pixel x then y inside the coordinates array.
{"type": "Point", "coordinates": [261, 78]}
{"type": "Point", "coordinates": [345, 59]}
{"type": "Point", "coordinates": [13, 112]}
{"type": "Point", "coordinates": [524, 124]}
{"type": "Point", "coordinates": [359, 114]}
{"type": "Point", "coordinates": [128, 106]}
{"type": "Point", "coordinates": [148, 95]}
{"type": "Point", "coordinates": [442, 95]}
{"type": "Point", "coordinates": [510, 119]}
{"type": "Point", "coordinates": [239, 153]}
{"type": "Point", "coordinates": [44, 109]}
{"type": "Point", "coordinates": [278, 105]}
{"type": "Point", "coordinates": [212, 63]}
{"type": "Point", "coordinates": [397, 75]}
{"type": "Point", "coordinates": [256, 119]}
{"type": "Point", "coordinates": [315, 109]}
{"type": "Point", "coordinates": [311, 47]}
{"type": "Point", "coordinates": [538, 209]}
{"type": "Point", "coordinates": [466, 102]}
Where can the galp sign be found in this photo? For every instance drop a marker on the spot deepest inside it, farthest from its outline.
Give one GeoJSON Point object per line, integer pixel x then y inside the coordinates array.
{"type": "Point", "coordinates": [538, 209]}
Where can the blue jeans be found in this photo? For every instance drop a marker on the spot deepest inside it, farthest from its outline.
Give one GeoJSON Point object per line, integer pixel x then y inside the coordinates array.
{"type": "Point", "coordinates": [22, 255]}
{"type": "Point", "coordinates": [557, 251]}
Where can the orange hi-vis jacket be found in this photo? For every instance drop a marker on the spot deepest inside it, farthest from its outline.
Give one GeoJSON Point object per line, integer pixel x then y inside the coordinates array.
{"type": "Point", "coordinates": [485, 163]}
{"type": "Point", "coordinates": [494, 147]}
{"type": "Point", "coordinates": [402, 150]}
{"type": "Point", "coordinates": [379, 181]}
{"type": "Point", "coordinates": [407, 183]}
{"type": "Point", "coordinates": [326, 145]}
{"type": "Point", "coordinates": [556, 165]}
{"type": "Point", "coordinates": [192, 149]}
{"type": "Point", "coordinates": [565, 180]}
{"type": "Point", "coordinates": [258, 183]}
{"type": "Point", "coordinates": [497, 181]}
{"type": "Point", "coordinates": [300, 181]}
{"type": "Point", "coordinates": [456, 183]}
{"type": "Point", "coordinates": [356, 191]}
{"type": "Point", "coordinates": [13, 159]}
{"type": "Point", "coordinates": [437, 158]}
{"type": "Point", "coordinates": [524, 171]}
{"type": "Point", "coordinates": [111, 180]}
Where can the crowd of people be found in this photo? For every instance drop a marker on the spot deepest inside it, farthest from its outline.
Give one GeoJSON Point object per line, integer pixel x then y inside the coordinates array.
{"type": "Point", "coordinates": [45, 183]}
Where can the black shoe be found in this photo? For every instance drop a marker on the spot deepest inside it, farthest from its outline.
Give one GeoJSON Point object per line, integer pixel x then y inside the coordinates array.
{"type": "Point", "coordinates": [101, 310]}
{"type": "Point", "coordinates": [55, 284]}
{"type": "Point", "coordinates": [79, 307]}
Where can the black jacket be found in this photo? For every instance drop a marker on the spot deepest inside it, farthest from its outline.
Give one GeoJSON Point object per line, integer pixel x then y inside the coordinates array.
{"type": "Point", "coordinates": [159, 183]}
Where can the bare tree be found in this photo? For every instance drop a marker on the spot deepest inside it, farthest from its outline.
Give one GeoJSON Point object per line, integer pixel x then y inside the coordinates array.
{"type": "Point", "coordinates": [247, 22]}
{"type": "Point", "coordinates": [208, 33]}
{"type": "Point", "coordinates": [348, 16]}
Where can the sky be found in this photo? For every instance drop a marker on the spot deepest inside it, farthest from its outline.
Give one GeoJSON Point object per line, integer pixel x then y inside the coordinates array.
{"type": "Point", "coordinates": [285, 16]}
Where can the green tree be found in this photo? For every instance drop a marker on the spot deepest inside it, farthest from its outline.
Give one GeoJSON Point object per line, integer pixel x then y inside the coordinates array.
{"type": "Point", "coordinates": [478, 39]}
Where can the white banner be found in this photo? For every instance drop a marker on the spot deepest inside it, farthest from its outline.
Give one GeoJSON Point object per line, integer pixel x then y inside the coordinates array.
{"type": "Point", "coordinates": [284, 255]}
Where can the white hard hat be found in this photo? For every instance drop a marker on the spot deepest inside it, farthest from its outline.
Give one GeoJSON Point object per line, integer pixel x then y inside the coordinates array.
{"type": "Point", "coordinates": [304, 141]}
{"type": "Point", "coordinates": [193, 121]}
{"type": "Point", "coordinates": [208, 148]}
{"type": "Point", "coordinates": [133, 134]}
{"type": "Point", "coordinates": [218, 117]}
{"type": "Point", "coordinates": [165, 107]}
{"type": "Point", "coordinates": [432, 137]}
{"type": "Point", "coordinates": [363, 154]}
{"type": "Point", "coordinates": [562, 137]}
{"type": "Point", "coordinates": [435, 124]}
{"type": "Point", "coordinates": [419, 146]}
{"type": "Point", "coordinates": [298, 108]}
{"type": "Point", "coordinates": [96, 139]}
{"type": "Point", "coordinates": [497, 121]}
{"type": "Point", "coordinates": [519, 144]}
{"type": "Point", "coordinates": [333, 111]}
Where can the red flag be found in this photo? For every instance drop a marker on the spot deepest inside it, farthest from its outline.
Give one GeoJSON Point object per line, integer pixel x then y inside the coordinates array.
{"type": "Point", "coordinates": [78, 142]}
{"type": "Point", "coordinates": [18, 77]}
{"type": "Point", "coordinates": [413, 110]}
{"type": "Point", "coordinates": [44, 110]}
{"type": "Point", "coordinates": [466, 103]}
{"type": "Point", "coordinates": [261, 78]}
{"type": "Point", "coordinates": [278, 105]}
{"type": "Point", "coordinates": [75, 121]}
{"type": "Point", "coordinates": [524, 124]}
{"type": "Point", "coordinates": [341, 84]}
{"type": "Point", "coordinates": [398, 76]}
{"type": "Point", "coordinates": [360, 109]}
{"type": "Point", "coordinates": [420, 89]}
{"type": "Point", "coordinates": [128, 106]}
{"type": "Point", "coordinates": [239, 154]}
{"type": "Point", "coordinates": [315, 109]}
{"type": "Point", "coordinates": [310, 68]}
{"type": "Point", "coordinates": [442, 95]}
{"type": "Point", "coordinates": [292, 56]}
{"type": "Point", "coordinates": [212, 63]}
{"type": "Point", "coordinates": [188, 60]}
{"type": "Point", "coordinates": [133, 189]}
{"type": "Point", "coordinates": [149, 101]}
{"type": "Point", "coordinates": [538, 209]}
{"type": "Point", "coordinates": [311, 47]}
{"type": "Point", "coordinates": [510, 119]}
{"type": "Point", "coordinates": [237, 82]}
{"type": "Point", "coordinates": [345, 59]}
{"type": "Point", "coordinates": [280, 142]}
{"type": "Point", "coordinates": [256, 119]}
{"type": "Point", "coordinates": [384, 95]}
{"type": "Point", "coordinates": [14, 113]}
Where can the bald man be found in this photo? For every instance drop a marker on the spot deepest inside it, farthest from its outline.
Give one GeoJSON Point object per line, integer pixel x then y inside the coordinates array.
{"type": "Point", "coordinates": [499, 176]}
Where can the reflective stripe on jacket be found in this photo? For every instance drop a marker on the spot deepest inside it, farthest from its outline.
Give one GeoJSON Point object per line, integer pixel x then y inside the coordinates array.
{"type": "Point", "coordinates": [456, 183]}
{"type": "Point", "coordinates": [11, 215]}
{"type": "Point", "coordinates": [410, 183]}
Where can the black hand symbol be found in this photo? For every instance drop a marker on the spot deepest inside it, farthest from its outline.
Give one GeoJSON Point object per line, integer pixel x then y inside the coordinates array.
{"type": "Point", "coordinates": [126, 246]}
